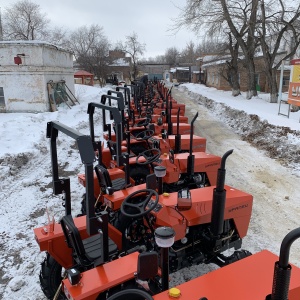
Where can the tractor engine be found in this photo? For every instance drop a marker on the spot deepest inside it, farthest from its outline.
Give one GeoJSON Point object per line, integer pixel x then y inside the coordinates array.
{"type": "Point", "coordinates": [197, 180]}
{"type": "Point", "coordinates": [199, 246]}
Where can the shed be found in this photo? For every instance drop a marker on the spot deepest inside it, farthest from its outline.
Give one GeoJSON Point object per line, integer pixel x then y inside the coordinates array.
{"type": "Point", "coordinates": [25, 70]}
{"type": "Point", "coordinates": [181, 74]}
{"type": "Point", "coordinates": [84, 77]}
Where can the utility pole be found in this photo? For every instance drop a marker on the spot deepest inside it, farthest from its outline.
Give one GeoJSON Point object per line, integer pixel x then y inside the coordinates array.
{"type": "Point", "coordinates": [1, 31]}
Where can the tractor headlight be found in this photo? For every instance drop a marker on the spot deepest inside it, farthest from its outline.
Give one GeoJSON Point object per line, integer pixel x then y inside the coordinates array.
{"type": "Point", "coordinates": [160, 171]}
{"type": "Point", "coordinates": [164, 236]}
{"type": "Point", "coordinates": [73, 276]}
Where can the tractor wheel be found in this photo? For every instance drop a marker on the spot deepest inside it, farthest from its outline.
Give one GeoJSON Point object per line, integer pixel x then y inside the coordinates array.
{"type": "Point", "coordinates": [83, 206]}
{"type": "Point", "coordinates": [138, 173]}
{"type": "Point", "coordinates": [51, 277]}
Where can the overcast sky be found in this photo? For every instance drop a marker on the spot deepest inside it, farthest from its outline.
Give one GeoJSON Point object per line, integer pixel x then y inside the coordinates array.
{"type": "Point", "coordinates": [149, 19]}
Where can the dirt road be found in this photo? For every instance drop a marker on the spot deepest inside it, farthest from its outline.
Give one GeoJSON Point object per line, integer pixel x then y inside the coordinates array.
{"type": "Point", "coordinates": [276, 208]}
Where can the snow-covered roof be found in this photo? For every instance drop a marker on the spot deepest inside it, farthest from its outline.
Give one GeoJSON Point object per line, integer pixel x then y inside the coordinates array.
{"type": "Point", "coordinates": [34, 43]}
{"type": "Point", "coordinates": [173, 70]}
{"type": "Point", "coordinates": [208, 58]}
{"type": "Point", "coordinates": [214, 63]}
{"type": "Point", "coordinates": [120, 62]}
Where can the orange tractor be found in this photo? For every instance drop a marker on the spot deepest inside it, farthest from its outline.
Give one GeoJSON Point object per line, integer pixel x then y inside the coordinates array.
{"type": "Point", "coordinates": [98, 252]}
{"type": "Point", "coordinates": [260, 276]}
{"type": "Point", "coordinates": [192, 169]}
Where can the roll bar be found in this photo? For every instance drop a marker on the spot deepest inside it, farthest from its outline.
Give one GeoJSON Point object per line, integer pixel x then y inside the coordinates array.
{"type": "Point", "coordinates": [120, 102]}
{"type": "Point", "coordinates": [126, 93]}
{"type": "Point", "coordinates": [118, 127]}
{"type": "Point", "coordinates": [62, 185]}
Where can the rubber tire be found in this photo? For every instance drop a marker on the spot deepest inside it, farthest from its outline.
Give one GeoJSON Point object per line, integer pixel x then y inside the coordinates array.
{"type": "Point", "coordinates": [133, 293]}
{"type": "Point", "coordinates": [83, 205]}
{"type": "Point", "coordinates": [50, 277]}
{"type": "Point", "coordinates": [138, 173]}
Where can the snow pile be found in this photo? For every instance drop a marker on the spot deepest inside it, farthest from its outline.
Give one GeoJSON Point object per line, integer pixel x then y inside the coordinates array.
{"type": "Point", "coordinates": [26, 182]}
{"type": "Point", "coordinates": [256, 121]}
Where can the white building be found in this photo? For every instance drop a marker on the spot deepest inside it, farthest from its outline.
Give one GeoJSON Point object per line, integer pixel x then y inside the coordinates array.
{"type": "Point", "coordinates": [25, 69]}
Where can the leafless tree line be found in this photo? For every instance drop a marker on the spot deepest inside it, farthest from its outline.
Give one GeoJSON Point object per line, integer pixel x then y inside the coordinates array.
{"type": "Point", "coordinates": [24, 20]}
{"type": "Point", "coordinates": [236, 28]}
{"type": "Point", "coordinates": [244, 28]}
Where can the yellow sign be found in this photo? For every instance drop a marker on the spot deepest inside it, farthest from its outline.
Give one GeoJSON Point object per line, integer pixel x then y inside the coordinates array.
{"type": "Point", "coordinates": [294, 87]}
{"type": "Point", "coordinates": [295, 73]}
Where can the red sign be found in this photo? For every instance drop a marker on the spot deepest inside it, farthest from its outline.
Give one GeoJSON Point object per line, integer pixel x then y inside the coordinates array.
{"type": "Point", "coordinates": [294, 94]}
{"type": "Point", "coordinates": [17, 60]}
{"type": "Point", "coordinates": [295, 61]}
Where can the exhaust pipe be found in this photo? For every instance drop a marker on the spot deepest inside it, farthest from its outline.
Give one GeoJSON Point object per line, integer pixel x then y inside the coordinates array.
{"type": "Point", "coordinates": [282, 268]}
{"type": "Point", "coordinates": [177, 136]}
{"type": "Point", "coordinates": [191, 157]}
{"type": "Point", "coordinates": [219, 199]}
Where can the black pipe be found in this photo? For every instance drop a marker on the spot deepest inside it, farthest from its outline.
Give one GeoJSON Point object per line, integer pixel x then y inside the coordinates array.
{"type": "Point", "coordinates": [191, 157]}
{"type": "Point", "coordinates": [165, 268]}
{"type": "Point", "coordinates": [219, 199]}
{"type": "Point", "coordinates": [126, 167]}
{"type": "Point", "coordinates": [282, 268]}
{"type": "Point", "coordinates": [177, 136]}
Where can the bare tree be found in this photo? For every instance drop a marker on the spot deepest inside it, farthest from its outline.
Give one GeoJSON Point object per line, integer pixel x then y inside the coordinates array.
{"type": "Point", "coordinates": [91, 48]}
{"type": "Point", "coordinates": [212, 16]}
{"type": "Point", "coordinates": [241, 18]}
{"type": "Point", "coordinates": [134, 48]}
{"type": "Point", "coordinates": [188, 54]}
{"type": "Point", "coordinates": [279, 35]}
{"type": "Point", "coordinates": [25, 21]}
{"type": "Point", "coordinates": [228, 51]}
{"type": "Point", "coordinates": [159, 59]}
{"type": "Point", "coordinates": [172, 55]}
{"type": "Point", "coordinates": [209, 45]}
{"type": "Point", "coordinates": [58, 36]}
{"type": "Point", "coordinates": [232, 71]}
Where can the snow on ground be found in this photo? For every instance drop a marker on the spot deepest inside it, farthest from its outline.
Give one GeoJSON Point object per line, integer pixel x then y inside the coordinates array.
{"type": "Point", "coordinates": [257, 121]}
{"type": "Point", "coordinates": [25, 170]}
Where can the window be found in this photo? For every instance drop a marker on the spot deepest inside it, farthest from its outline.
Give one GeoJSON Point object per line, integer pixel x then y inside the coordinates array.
{"type": "Point", "coordinates": [256, 79]}
{"type": "Point", "coordinates": [286, 80]}
{"type": "Point", "coordinates": [2, 100]}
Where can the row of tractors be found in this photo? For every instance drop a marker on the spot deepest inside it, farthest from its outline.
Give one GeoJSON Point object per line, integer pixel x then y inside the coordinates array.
{"type": "Point", "coordinates": [155, 202]}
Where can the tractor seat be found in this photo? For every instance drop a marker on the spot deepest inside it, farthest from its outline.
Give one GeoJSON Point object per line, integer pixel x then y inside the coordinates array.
{"type": "Point", "coordinates": [92, 245]}
{"type": "Point", "coordinates": [87, 252]}
{"type": "Point", "coordinates": [107, 185]}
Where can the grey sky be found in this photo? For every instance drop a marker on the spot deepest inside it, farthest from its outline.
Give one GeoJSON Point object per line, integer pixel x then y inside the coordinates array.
{"type": "Point", "coordinates": [149, 19]}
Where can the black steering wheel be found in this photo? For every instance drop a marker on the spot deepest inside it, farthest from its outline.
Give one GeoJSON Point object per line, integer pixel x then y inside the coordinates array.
{"type": "Point", "coordinates": [147, 112]}
{"type": "Point", "coordinates": [144, 135]}
{"type": "Point", "coordinates": [143, 122]}
{"type": "Point", "coordinates": [151, 155]}
{"type": "Point", "coordinates": [137, 202]}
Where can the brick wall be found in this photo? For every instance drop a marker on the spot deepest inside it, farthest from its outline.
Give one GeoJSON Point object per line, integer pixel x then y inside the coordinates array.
{"type": "Point", "coordinates": [215, 79]}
